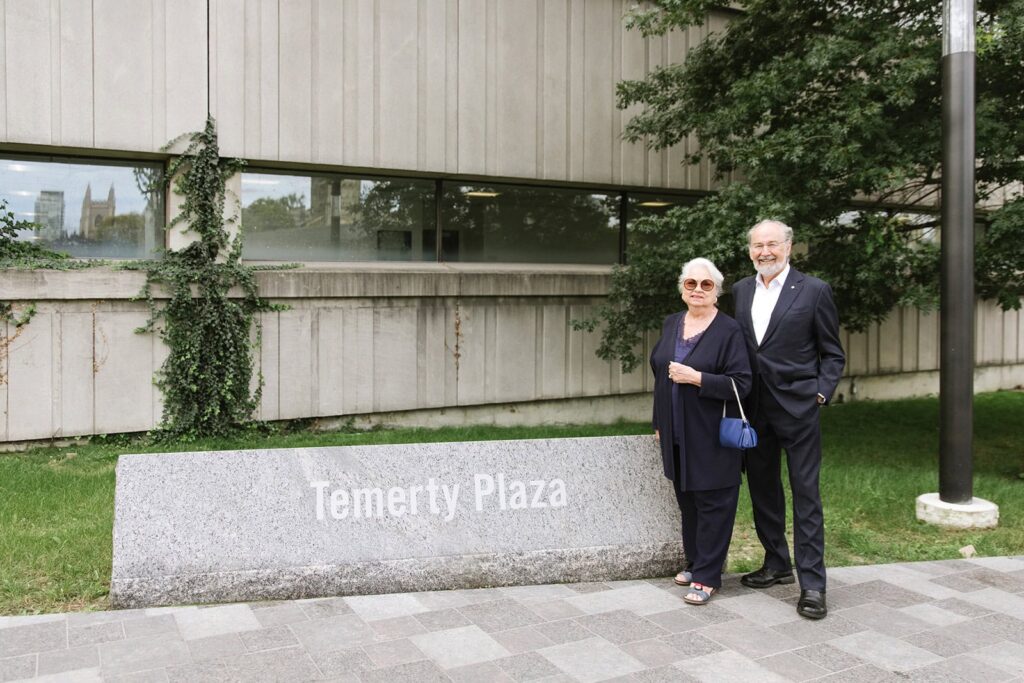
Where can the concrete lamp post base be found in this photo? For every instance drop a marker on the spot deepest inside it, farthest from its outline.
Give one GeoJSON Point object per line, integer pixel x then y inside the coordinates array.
{"type": "Point", "coordinates": [978, 514]}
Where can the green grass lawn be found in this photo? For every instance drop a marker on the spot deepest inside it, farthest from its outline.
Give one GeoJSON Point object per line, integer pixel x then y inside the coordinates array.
{"type": "Point", "coordinates": [56, 504]}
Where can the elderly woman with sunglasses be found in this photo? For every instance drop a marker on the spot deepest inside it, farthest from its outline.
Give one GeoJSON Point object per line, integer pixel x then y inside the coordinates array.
{"type": "Point", "coordinates": [700, 355]}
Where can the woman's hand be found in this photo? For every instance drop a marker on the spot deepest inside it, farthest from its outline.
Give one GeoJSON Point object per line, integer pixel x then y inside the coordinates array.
{"type": "Point", "coordinates": [683, 374]}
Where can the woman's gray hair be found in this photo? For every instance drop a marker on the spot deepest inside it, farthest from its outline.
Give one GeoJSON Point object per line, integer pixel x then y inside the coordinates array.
{"type": "Point", "coordinates": [701, 262]}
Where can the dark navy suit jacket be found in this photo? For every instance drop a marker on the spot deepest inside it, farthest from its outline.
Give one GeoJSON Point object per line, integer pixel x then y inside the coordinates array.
{"type": "Point", "coordinates": [719, 354]}
{"type": "Point", "coordinates": [800, 355]}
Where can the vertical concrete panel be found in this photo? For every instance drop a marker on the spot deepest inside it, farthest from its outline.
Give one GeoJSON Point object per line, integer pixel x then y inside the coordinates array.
{"type": "Point", "coordinates": [395, 362]}
{"type": "Point", "coordinates": [575, 353]}
{"type": "Point", "coordinates": [269, 88]}
{"type": "Point", "coordinates": [123, 75]}
{"type": "Point", "coordinates": [909, 345]}
{"type": "Point", "coordinates": [657, 48]}
{"type": "Point", "coordinates": [228, 81]}
{"type": "Point", "coordinates": [398, 84]}
{"type": "Point", "coordinates": [872, 345]}
{"type": "Point", "coordinates": [516, 81]}
{"type": "Point", "coordinates": [76, 73]}
{"type": "Point", "coordinates": [330, 365]}
{"type": "Point", "coordinates": [928, 341]}
{"type": "Point", "coordinates": [270, 357]}
{"type": "Point", "coordinates": [4, 331]}
{"type": "Point", "coordinates": [857, 353]}
{"type": "Point", "coordinates": [433, 87]}
{"type": "Point", "coordinates": [76, 378]}
{"type": "Point", "coordinates": [599, 129]}
{"type": "Point", "coordinates": [472, 376]}
{"type": "Point", "coordinates": [297, 365]}
{"type": "Point", "coordinates": [28, 71]}
{"type": "Point", "coordinates": [432, 355]}
{"type": "Point", "coordinates": [633, 67]}
{"type": "Point", "coordinates": [30, 379]}
{"type": "Point", "coordinates": [364, 78]}
{"type": "Point", "coordinates": [329, 84]}
{"type": "Point", "coordinates": [295, 68]}
{"type": "Point", "coordinates": [472, 40]}
{"type": "Point", "coordinates": [577, 104]}
{"type": "Point", "coordinates": [3, 118]}
{"type": "Point", "coordinates": [1020, 337]}
{"type": "Point", "coordinates": [123, 372]}
{"type": "Point", "coordinates": [553, 334]}
{"type": "Point", "coordinates": [677, 43]}
{"type": "Point", "coordinates": [252, 84]}
{"type": "Point", "coordinates": [186, 67]}
{"type": "Point", "coordinates": [358, 360]}
{"type": "Point", "coordinates": [515, 355]}
{"type": "Point", "coordinates": [990, 351]}
{"type": "Point", "coordinates": [160, 354]}
{"type": "Point", "coordinates": [1010, 325]}
{"type": "Point", "coordinates": [554, 90]}
{"type": "Point", "coordinates": [890, 342]}
{"type": "Point", "coordinates": [597, 373]}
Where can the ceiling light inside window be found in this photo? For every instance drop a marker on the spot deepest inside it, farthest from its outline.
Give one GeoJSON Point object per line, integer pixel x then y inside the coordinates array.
{"type": "Point", "coordinates": [655, 205]}
{"type": "Point", "coordinates": [482, 193]}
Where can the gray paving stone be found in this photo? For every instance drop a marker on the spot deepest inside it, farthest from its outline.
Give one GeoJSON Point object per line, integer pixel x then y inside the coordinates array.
{"type": "Point", "coordinates": [151, 652]}
{"type": "Point", "coordinates": [939, 642]}
{"type": "Point", "coordinates": [995, 579]}
{"type": "Point", "coordinates": [792, 667]}
{"type": "Point", "coordinates": [527, 666]}
{"type": "Point", "coordinates": [522, 639]}
{"type": "Point", "coordinates": [414, 672]}
{"type": "Point", "coordinates": [727, 667]}
{"type": "Point", "coordinates": [216, 621]}
{"type": "Point", "coordinates": [499, 615]}
{"type": "Point", "coordinates": [393, 652]}
{"type": "Point", "coordinates": [487, 672]}
{"type": "Point", "coordinates": [397, 627]}
{"type": "Point", "coordinates": [641, 598]}
{"type": "Point", "coordinates": [621, 626]}
{"type": "Point", "coordinates": [280, 614]}
{"type": "Point", "coordinates": [1007, 627]}
{"type": "Point", "coordinates": [973, 634]}
{"type": "Point", "coordinates": [148, 676]}
{"type": "Point", "coordinates": [885, 651]}
{"type": "Point", "coordinates": [459, 647]}
{"type": "Point", "coordinates": [439, 620]}
{"type": "Point", "coordinates": [441, 600]}
{"type": "Point", "coordinates": [351, 660]}
{"type": "Point", "coordinates": [540, 593]}
{"type": "Point", "coordinates": [934, 615]}
{"type": "Point", "coordinates": [564, 631]}
{"type": "Point", "coordinates": [13, 668]}
{"type": "Point", "coordinates": [24, 640]}
{"type": "Point", "coordinates": [885, 619]}
{"type": "Point", "coordinates": [968, 668]}
{"type": "Point", "coordinates": [377, 607]}
{"type": "Point", "coordinates": [1008, 657]}
{"type": "Point", "coordinates": [749, 639]}
{"type": "Point", "coordinates": [677, 620]}
{"type": "Point", "coordinates": [862, 674]}
{"type": "Point", "coordinates": [91, 675]}
{"type": "Point", "coordinates": [216, 647]}
{"type": "Point", "coordinates": [692, 644]}
{"type": "Point", "coordinates": [662, 674]}
{"type": "Point", "coordinates": [75, 619]}
{"type": "Point", "coordinates": [712, 613]}
{"type": "Point", "coordinates": [325, 607]}
{"type": "Point", "coordinates": [848, 596]}
{"type": "Point", "coordinates": [808, 632]}
{"type": "Point", "coordinates": [95, 634]}
{"type": "Point", "coordinates": [758, 608]}
{"type": "Point", "coordinates": [268, 638]}
{"type": "Point", "coordinates": [275, 666]}
{"type": "Point", "coordinates": [652, 653]}
{"type": "Point", "coordinates": [150, 626]}
{"type": "Point", "coordinates": [333, 633]}
{"type": "Point", "coordinates": [962, 607]}
{"type": "Point", "coordinates": [828, 657]}
{"type": "Point", "coordinates": [59, 661]}
{"type": "Point", "coordinates": [594, 659]}
{"type": "Point", "coordinates": [554, 610]}
{"type": "Point", "coordinates": [592, 587]}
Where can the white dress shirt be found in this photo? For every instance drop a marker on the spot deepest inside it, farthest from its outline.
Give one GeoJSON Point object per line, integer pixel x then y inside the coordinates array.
{"type": "Point", "coordinates": [765, 298]}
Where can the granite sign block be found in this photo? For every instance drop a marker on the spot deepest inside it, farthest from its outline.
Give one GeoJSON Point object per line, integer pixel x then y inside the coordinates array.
{"type": "Point", "coordinates": [290, 523]}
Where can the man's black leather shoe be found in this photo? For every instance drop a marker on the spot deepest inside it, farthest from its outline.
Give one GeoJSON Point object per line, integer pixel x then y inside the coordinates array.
{"type": "Point", "coordinates": [812, 605]}
{"type": "Point", "coordinates": [765, 577]}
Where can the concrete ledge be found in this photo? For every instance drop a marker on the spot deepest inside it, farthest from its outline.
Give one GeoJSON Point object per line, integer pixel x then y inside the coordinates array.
{"type": "Point", "coordinates": [251, 525]}
{"type": "Point", "coordinates": [978, 514]}
{"type": "Point", "coordinates": [600, 563]}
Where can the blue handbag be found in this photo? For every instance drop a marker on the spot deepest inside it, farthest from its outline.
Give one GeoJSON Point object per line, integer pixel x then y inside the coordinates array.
{"type": "Point", "coordinates": [736, 432]}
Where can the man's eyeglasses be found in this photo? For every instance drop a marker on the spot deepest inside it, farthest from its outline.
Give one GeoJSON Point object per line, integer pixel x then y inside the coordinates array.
{"type": "Point", "coordinates": [690, 284]}
{"type": "Point", "coordinates": [772, 246]}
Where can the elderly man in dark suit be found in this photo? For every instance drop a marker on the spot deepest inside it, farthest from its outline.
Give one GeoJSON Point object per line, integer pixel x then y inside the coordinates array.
{"type": "Point", "coordinates": [791, 327]}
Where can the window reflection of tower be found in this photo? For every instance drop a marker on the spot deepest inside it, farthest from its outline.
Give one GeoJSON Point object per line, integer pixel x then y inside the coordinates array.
{"type": "Point", "coordinates": [49, 215]}
{"type": "Point", "coordinates": [94, 212]}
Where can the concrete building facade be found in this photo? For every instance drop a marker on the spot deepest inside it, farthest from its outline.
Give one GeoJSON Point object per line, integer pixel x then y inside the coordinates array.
{"type": "Point", "coordinates": [435, 104]}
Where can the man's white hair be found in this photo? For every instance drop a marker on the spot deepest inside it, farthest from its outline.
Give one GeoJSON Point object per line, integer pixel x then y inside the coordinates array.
{"type": "Point", "coordinates": [787, 231]}
{"type": "Point", "coordinates": [701, 262]}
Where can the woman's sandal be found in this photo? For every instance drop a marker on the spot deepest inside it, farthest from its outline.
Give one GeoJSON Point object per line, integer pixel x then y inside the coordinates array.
{"type": "Point", "coordinates": [703, 594]}
{"type": "Point", "coordinates": [684, 578]}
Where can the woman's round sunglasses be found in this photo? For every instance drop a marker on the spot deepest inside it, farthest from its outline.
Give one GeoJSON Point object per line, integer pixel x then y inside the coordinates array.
{"type": "Point", "coordinates": [706, 285]}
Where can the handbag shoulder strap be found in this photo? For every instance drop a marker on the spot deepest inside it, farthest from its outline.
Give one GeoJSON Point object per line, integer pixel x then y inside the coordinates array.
{"type": "Point", "coordinates": [736, 393]}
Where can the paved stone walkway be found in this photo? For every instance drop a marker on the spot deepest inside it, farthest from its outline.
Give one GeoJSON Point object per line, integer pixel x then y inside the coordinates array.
{"type": "Point", "coordinates": [955, 620]}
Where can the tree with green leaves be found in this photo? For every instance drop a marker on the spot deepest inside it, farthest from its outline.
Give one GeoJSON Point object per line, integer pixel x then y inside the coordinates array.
{"type": "Point", "coordinates": [826, 115]}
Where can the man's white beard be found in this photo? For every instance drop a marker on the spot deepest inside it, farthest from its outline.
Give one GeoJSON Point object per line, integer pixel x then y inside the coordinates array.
{"type": "Point", "coordinates": [770, 269]}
